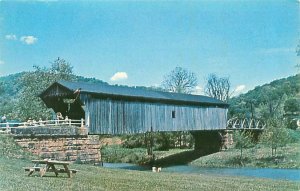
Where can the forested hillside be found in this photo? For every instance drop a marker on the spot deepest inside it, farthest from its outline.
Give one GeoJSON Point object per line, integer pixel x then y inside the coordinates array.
{"type": "Point", "coordinates": [280, 98]}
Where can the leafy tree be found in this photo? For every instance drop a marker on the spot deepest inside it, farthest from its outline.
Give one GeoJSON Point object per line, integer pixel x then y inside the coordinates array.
{"type": "Point", "coordinates": [61, 70]}
{"type": "Point", "coordinates": [218, 87]}
{"type": "Point", "coordinates": [275, 135]}
{"type": "Point", "coordinates": [272, 102]}
{"type": "Point", "coordinates": [1, 88]}
{"type": "Point", "coordinates": [292, 112]}
{"type": "Point", "coordinates": [292, 105]}
{"type": "Point", "coordinates": [180, 80]}
{"type": "Point", "coordinates": [33, 83]}
{"type": "Point", "coordinates": [242, 140]}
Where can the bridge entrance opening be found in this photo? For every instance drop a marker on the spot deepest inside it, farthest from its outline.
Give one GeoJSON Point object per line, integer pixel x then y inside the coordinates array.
{"type": "Point", "coordinates": [67, 107]}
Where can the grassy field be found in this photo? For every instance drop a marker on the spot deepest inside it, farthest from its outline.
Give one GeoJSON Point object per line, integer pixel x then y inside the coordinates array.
{"type": "Point", "coordinates": [89, 178]}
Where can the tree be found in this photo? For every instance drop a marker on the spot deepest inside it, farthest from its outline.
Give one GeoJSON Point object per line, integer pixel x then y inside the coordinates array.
{"type": "Point", "coordinates": [272, 100]}
{"type": "Point", "coordinates": [180, 80]}
{"type": "Point", "coordinates": [292, 112]}
{"type": "Point", "coordinates": [61, 70]}
{"type": "Point", "coordinates": [292, 105]}
{"type": "Point", "coordinates": [242, 140]}
{"type": "Point", "coordinates": [218, 87]}
{"type": "Point", "coordinates": [275, 135]}
{"type": "Point", "coordinates": [1, 88]}
{"type": "Point", "coordinates": [33, 83]}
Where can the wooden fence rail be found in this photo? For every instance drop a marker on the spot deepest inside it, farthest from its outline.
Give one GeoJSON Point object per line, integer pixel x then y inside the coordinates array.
{"type": "Point", "coordinates": [6, 127]}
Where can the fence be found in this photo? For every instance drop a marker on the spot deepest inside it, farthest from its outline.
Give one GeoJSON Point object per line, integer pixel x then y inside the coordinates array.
{"type": "Point", "coordinates": [6, 127]}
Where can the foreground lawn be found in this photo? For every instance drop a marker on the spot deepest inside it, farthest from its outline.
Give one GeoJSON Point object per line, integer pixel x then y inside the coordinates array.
{"type": "Point", "coordinates": [13, 177]}
{"type": "Point", "coordinates": [90, 178]}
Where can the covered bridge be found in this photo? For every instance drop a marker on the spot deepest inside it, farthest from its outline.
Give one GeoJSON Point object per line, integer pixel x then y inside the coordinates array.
{"type": "Point", "coordinates": [111, 109]}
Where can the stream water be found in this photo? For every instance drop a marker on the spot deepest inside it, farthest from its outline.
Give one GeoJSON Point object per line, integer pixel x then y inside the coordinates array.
{"type": "Point", "coordinates": [271, 173]}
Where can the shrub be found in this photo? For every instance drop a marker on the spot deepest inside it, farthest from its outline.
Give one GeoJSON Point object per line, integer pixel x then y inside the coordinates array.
{"type": "Point", "coordinates": [275, 135]}
{"type": "Point", "coordinates": [242, 141]}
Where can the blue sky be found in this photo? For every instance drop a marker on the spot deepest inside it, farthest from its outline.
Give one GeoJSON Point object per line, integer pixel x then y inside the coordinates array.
{"type": "Point", "coordinates": [138, 42]}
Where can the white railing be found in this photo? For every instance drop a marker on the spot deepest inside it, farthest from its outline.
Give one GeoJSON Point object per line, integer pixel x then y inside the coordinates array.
{"type": "Point", "coordinates": [6, 127]}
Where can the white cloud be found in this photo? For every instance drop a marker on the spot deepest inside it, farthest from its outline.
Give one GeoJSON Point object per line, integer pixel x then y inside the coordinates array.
{"type": "Point", "coordinates": [11, 37]}
{"type": "Point", "coordinates": [2, 62]}
{"type": "Point", "coordinates": [239, 89]}
{"type": "Point", "coordinates": [28, 39]}
{"type": "Point", "coordinates": [198, 90]}
{"type": "Point", "coordinates": [119, 76]}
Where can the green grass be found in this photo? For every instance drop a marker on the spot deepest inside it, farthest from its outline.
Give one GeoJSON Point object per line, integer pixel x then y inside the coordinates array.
{"type": "Point", "coordinates": [259, 156]}
{"type": "Point", "coordinates": [90, 178]}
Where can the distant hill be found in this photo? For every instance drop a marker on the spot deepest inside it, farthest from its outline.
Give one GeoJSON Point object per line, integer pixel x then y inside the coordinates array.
{"type": "Point", "coordinates": [10, 87]}
{"type": "Point", "coordinates": [267, 100]}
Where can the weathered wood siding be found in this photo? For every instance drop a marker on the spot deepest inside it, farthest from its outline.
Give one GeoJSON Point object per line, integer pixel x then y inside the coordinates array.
{"type": "Point", "coordinates": [106, 116]}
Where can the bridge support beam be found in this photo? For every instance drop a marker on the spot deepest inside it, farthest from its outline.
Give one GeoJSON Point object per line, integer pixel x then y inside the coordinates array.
{"type": "Point", "coordinates": [207, 142]}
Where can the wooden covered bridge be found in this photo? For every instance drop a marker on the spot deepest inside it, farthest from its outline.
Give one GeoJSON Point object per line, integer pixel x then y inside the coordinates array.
{"type": "Point", "coordinates": [123, 110]}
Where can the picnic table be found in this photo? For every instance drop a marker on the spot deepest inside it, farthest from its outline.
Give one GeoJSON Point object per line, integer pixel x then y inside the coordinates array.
{"type": "Point", "coordinates": [46, 165]}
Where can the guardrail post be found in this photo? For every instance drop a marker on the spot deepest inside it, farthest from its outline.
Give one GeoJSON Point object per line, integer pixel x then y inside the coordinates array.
{"type": "Point", "coordinates": [82, 125]}
{"type": "Point", "coordinates": [70, 122]}
{"type": "Point", "coordinates": [7, 127]}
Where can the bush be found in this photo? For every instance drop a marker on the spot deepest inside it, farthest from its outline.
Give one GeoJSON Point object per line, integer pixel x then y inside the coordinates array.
{"type": "Point", "coordinates": [134, 141]}
{"type": "Point", "coordinates": [119, 154]}
{"type": "Point", "coordinates": [293, 135]}
{"type": "Point", "coordinates": [242, 141]}
{"type": "Point", "coordinates": [275, 135]}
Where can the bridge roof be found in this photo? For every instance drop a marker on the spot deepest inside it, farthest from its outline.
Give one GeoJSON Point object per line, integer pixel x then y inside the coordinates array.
{"type": "Point", "coordinates": [140, 93]}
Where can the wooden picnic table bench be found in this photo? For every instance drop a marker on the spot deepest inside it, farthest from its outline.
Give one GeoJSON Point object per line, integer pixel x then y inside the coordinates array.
{"type": "Point", "coordinates": [43, 166]}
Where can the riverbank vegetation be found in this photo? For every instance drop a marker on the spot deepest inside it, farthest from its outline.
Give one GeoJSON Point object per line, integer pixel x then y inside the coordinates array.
{"type": "Point", "coordinates": [261, 154]}
{"type": "Point", "coordinates": [119, 154]}
{"type": "Point", "coordinates": [92, 178]}
{"type": "Point", "coordinates": [258, 156]}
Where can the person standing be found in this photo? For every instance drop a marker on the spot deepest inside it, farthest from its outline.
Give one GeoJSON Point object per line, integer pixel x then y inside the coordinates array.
{"type": "Point", "coordinates": [3, 119]}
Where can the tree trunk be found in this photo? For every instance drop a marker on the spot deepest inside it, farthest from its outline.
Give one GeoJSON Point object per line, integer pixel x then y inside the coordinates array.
{"type": "Point", "coordinates": [241, 153]}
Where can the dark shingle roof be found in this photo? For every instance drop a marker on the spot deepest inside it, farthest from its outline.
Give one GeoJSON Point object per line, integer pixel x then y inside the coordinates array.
{"type": "Point", "coordinates": [139, 93]}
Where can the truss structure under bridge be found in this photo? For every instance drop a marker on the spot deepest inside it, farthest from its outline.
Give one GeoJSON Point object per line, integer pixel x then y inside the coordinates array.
{"type": "Point", "coordinates": [245, 123]}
